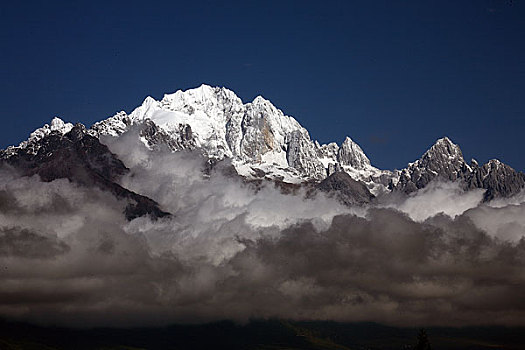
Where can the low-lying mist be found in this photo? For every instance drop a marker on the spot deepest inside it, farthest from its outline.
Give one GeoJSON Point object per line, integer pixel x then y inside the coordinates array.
{"type": "Point", "coordinates": [232, 250]}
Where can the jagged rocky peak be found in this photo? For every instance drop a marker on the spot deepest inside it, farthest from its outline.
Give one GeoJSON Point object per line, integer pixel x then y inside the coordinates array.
{"type": "Point", "coordinates": [442, 151]}
{"type": "Point", "coordinates": [499, 180]}
{"type": "Point", "coordinates": [352, 155]}
{"type": "Point", "coordinates": [444, 161]}
{"type": "Point", "coordinates": [56, 125]}
{"type": "Point", "coordinates": [77, 132]}
{"type": "Point", "coordinates": [265, 121]}
{"type": "Point", "coordinates": [32, 144]}
{"type": "Point", "coordinates": [114, 126]}
{"type": "Point", "coordinates": [264, 108]}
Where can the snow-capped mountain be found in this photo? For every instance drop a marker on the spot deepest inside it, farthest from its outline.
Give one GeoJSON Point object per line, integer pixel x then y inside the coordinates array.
{"type": "Point", "coordinates": [257, 136]}
{"type": "Point", "coordinates": [263, 142]}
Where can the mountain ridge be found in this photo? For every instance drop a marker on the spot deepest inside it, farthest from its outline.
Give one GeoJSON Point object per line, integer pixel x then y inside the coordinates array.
{"type": "Point", "coordinates": [263, 142]}
{"type": "Point", "coordinates": [69, 152]}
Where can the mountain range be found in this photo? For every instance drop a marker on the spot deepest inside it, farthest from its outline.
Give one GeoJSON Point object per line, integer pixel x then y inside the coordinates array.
{"type": "Point", "coordinates": [256, 138]}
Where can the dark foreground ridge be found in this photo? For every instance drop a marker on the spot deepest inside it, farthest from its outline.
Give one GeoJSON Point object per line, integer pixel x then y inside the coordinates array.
{"type": "Point", "coordinates": [80, 158]}
{"type": "Point", "coordinates": [347, 190]}
{"type": "Point", "coordinates": [272, 334]}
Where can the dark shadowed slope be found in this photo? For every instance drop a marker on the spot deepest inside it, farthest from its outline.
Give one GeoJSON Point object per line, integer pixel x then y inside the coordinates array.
{"type": "Point", "coordinates": [81, 158]}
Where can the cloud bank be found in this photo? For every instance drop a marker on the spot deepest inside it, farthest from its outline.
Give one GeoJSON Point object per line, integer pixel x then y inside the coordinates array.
{"type": "Point", "coordinates": [234, 250]}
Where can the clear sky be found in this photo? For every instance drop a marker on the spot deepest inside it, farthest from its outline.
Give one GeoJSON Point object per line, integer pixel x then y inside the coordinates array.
{"type": "Point", "coordinates": [393, 75]}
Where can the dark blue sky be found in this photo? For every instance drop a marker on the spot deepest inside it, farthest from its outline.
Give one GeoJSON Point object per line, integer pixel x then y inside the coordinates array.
{"type": "Point", "coordinates": [393, 75]}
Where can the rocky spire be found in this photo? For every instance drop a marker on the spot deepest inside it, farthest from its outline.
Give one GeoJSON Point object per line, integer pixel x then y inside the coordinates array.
{"type": "Point", "coordinates": [352, 155]}
{"type": "Point", "coordinates": [444, 161]}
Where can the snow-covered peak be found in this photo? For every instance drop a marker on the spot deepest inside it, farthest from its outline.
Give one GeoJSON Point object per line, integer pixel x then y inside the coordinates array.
{"type": "Point", "coordinates": [259, 100]}
{"type": "Point", "coordinates": [57, 125]}
{"type": "Point", "coordinates": [263, 111]}
{"type": "Point", "coordinates": [263, 105]}
{"type": "Point", "coordinates": [204, 98]}
{"type": "Point", "coordinates": [112, 126]}
{"type": "Point", "coordinates": [202, 93]}
{"type": "Point", "coordinates": [148, 107]}
{"type": "Point", "coordinates": [31, 145]}
{"type": "Point", "coordinates": [220, 122]}
{"type": "Point", "coordinates": [255, 134]}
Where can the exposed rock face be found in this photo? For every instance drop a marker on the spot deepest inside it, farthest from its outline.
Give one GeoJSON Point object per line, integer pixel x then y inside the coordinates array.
{"type": "Point", "coordinates": [444, 161]}
{"type": "Point", "coordinates": [352, 155]}
{"type": "Point", "coordinates": [346, 189]}
{"type": "Point", "coordinates": [81, 158]}
{"type": "Point", "coordinates": [301, 155]}
{"type": "Point", "coordinates": [31, 145]}
{"type": "Point", "coordinates": [499, 179]}
{"type": "Point", "coordinates": [179, 139]}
